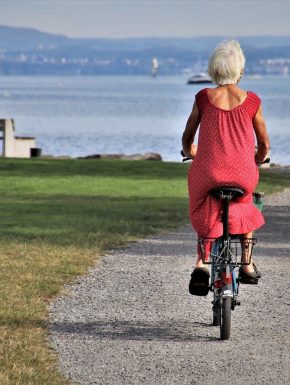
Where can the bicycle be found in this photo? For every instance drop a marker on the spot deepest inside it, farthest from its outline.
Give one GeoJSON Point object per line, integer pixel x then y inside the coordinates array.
{"type": "Point", "coordinates": [225, 254]}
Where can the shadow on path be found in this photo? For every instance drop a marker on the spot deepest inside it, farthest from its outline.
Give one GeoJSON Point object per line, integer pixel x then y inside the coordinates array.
{"type": "Point", "coordinates": [135, 331]}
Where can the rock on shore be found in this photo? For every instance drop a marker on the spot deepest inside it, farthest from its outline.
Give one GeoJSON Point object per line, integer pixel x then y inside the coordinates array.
{"type": "Point", "coordinates": [146, 156]}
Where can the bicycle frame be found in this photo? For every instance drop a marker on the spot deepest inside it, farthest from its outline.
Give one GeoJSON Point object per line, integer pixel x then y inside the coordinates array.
{"type": "Point", "coordinates": [225, 254]}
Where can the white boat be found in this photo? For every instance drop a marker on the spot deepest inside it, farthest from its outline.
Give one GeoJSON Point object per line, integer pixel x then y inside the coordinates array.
{"type": "Point", "coordinates": [199, 78]}
{"type": "Point", "coordinates": [154, 67]}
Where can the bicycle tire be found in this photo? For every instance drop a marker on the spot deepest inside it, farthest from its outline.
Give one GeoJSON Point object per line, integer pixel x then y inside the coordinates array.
{"type": "Point", "coordinates": [216, 316]}
{"type": "Point", "coordinates": [225, 327]}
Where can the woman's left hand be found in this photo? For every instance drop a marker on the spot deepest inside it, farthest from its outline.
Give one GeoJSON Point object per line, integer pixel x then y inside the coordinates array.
{"type": "Point", "coordinates": [193, 150]}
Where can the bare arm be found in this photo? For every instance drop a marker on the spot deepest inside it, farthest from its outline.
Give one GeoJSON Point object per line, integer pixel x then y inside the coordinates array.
{"type": "Point", "coordinates": [190, 131]}
{"type": "Point", "coordinates": [262, 136]}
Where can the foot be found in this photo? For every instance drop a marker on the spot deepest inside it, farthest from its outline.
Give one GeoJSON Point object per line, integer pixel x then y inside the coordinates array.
{"type": "Point", "coordinates": [251, 269]}
{"type": "Point", "coordinates": [199, 282]}
{"type": "Point", "coordinates": [249, 274]}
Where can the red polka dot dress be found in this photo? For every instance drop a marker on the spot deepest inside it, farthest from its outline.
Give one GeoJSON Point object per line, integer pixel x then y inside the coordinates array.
{"type": "Point", "coordinates": [225, 156]}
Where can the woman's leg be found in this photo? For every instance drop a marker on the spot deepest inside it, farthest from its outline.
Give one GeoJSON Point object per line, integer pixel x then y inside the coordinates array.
{"type": "Point", "coordinates": [247, 247]}
{"type": "Point", "coordinates": [206, 245]}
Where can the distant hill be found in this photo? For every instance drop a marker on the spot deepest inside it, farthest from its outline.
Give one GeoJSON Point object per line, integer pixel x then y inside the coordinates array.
{"type": "Point", "coordinates": [26, 39]}
{"type": "Point", "coordinates": [29, 51]}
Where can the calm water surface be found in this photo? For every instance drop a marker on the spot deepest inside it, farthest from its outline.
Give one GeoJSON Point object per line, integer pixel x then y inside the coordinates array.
{"type": "Point", "coordinates": [78, 116]}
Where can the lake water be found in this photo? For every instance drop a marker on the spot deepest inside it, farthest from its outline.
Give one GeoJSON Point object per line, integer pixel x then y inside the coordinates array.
{"type": "Point", "coordinates": [78, 116]}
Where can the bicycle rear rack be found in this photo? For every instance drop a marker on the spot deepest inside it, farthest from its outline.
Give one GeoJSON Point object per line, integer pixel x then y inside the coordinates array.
{"type": "Point", "coordinates": [235, 251]}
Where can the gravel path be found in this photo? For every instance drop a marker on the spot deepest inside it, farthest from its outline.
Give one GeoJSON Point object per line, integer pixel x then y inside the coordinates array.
{"type": "Point", "coordinates": [132, 321]}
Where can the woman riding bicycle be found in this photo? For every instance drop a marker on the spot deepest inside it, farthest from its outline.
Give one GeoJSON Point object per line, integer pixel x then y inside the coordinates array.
{"type": "Point", "coordinates": [229, 121]}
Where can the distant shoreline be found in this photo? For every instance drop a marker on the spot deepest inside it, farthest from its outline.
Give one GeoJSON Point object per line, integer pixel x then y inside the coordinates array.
{"type": "Point", "coordinates": [143, 156]}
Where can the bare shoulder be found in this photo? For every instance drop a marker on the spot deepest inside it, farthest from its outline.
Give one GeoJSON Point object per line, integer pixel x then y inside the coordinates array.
{"type": "Point", "coordinates": [237, 93]}
{"type": "Point", "coordinates": [228, 91]}
{"type": "Point", "coordinates": [227, 97]}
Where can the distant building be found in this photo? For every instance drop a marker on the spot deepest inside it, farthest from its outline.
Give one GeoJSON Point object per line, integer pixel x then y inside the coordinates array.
{"type": "Point", "coordinates": [16, 146]}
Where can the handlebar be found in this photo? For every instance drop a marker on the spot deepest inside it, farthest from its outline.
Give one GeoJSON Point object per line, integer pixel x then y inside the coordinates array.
{"type": "Point", "coordinates": [267, 160]}
{"type": "Point", "coordinates": [187, 158]}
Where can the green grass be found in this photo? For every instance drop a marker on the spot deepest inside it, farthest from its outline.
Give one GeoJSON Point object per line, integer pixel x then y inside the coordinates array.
{"type": "Point", "coordinates": [57, 218]}
{"type": "Point", "coordinates": [274, 180]}
{"type": "Point", "coordinates": [89, 203]}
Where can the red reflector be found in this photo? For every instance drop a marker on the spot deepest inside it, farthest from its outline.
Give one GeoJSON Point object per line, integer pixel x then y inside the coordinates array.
{"type": "Point", "coordinates": [217, 283]}
{"type": "Point", "coordinates": [226, 279]}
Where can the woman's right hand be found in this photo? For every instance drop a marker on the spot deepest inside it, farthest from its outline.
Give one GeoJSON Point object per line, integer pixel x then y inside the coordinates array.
{"type": "Point", "coordinates": [261, 158]}
{"type": "Point", "coordinates": [265, 160]}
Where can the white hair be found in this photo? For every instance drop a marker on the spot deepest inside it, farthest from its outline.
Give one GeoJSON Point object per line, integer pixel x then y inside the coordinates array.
{"type": "Point", "coordinates": [226, 63]}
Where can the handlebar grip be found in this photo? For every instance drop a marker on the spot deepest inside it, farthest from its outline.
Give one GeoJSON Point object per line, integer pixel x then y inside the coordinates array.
{"type": "Point", "coordinates": [267, 160]}
{"type": "Point", "coordinates": [185, 158]}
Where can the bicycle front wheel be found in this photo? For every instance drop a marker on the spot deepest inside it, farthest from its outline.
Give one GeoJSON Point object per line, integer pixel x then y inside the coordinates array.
{"type": "Point", "coordinates": [225, 327]}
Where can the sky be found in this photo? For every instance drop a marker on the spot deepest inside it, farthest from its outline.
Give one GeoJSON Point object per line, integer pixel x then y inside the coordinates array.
{"type": "Point", "coordinates": [140, 18]}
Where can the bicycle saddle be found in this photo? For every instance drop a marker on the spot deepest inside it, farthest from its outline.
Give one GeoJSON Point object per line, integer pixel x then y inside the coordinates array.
{"type": "Point", "coordinates": [233, 192]}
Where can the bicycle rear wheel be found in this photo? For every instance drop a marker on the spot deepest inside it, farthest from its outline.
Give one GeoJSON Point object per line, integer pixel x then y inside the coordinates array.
{"type": "Point", "coordinates": [225, 329]}
{"type": "Point", "coordinates": [216, 316]}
